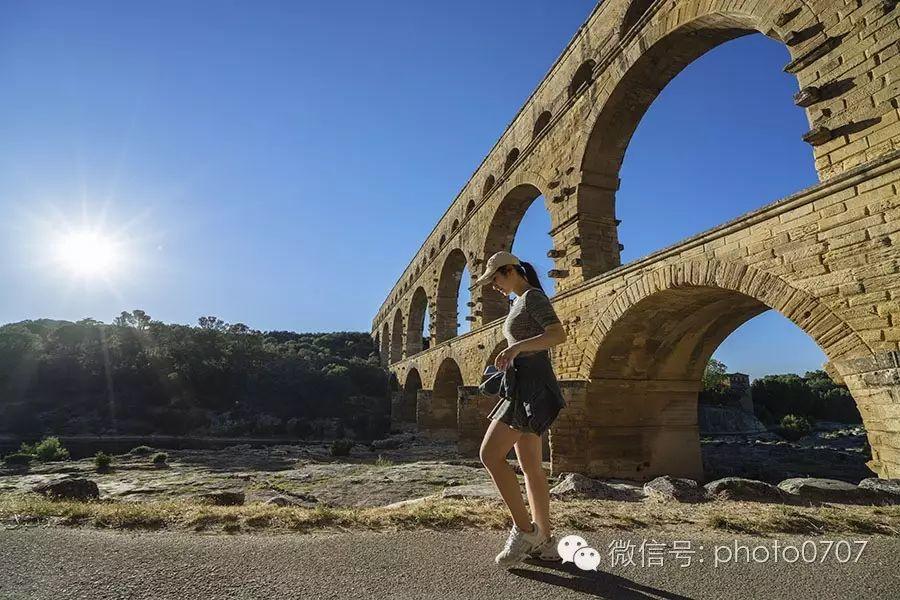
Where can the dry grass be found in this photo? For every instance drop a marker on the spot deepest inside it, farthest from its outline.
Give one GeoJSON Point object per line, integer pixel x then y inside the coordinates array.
{"type": "Point", "coordinates": [439, 513]}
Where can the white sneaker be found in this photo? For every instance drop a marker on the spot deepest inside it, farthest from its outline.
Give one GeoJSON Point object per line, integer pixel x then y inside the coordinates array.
{"type": "Point", "coordinates": [519, 544]}
{"type": "Point", "coordinates": [548, 550]}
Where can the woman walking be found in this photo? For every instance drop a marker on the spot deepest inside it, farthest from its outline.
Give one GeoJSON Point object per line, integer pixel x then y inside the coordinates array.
{"type": "Point", "coordinates": [530, 400]}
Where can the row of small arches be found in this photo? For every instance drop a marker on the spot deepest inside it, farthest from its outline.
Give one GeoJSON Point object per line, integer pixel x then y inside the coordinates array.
{"type": "Point", "coordinates": [580, 80]}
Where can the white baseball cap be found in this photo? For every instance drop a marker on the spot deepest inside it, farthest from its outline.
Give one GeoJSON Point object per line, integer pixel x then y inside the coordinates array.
{"type": "Point", "coordinates": [497, 260]}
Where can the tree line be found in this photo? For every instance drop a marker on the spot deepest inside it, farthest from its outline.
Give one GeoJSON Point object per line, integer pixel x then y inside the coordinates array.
{"type": "Point", "coordinates": [814, 396]}
{"type": "Point", "coordinates": [142, 376]}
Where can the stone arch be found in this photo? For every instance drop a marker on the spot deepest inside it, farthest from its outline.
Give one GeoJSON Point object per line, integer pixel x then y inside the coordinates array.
{"type": "Point", "coordinates": [541, 123]}
{"type": "Point", "coordinates": [405, 409]}
{"type": "Point", "coordinates": [583, 76]}
{"type": "Point", "coordinates": [648, 349]}
{"type": "Point", "coordinates": [437, 412]}
{"type": "Point", "coordinates": [609, 133]}
{"type": "Point", "coordinates": [470, 207]}
{"type": "Point", "coordinates": [500, 235]}
{"type": "Point", "coordinates": [665, 50]}
{"type": "Point", "coordinates": [488, 185]}
{"type": "Point", "coordinates": [446, 321]}
{"type": "Point", "coordinates": [511, 159]}
{"type": "Point", "coordinates": [455, 225]}
{"type": "Point", "coordinates": [443, 239]}
{"type": "Point", "coordinates": [397, 337]}
{"type": "Point", "coordinates": [709, 281]}
{"type": "Point", "coordinates": [636, 10]}
{"type": "Point", "coordinates": [415, 322]}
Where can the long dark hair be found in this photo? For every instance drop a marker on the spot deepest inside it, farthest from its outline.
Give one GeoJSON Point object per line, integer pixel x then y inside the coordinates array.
{"type": "Point", "coordinates": [526, 270]}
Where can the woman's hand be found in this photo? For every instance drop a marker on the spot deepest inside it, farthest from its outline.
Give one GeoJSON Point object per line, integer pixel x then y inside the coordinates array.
{"type": "Point", "coordinates": [506, 357]}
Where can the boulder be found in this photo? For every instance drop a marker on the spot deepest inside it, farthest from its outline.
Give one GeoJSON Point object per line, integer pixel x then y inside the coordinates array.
{"type": "Point", "coordinates": [73, 488]}
{"type": "Point", "coordinates": [819, 489]}
{"type": "Point", "coordinates": [222, 497]}
{"type": "Point", "coordinates": [576, 485]}
{"type": "Point", "coordinates": [668, 488]}
{"type": "Point", "coordinates": [890, 487]}
{"type": "Point", "coordinates": [741, 488]}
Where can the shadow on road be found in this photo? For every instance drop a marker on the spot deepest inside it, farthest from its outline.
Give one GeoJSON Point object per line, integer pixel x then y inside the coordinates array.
{"type": "Point", "coordinates": [598, 583]}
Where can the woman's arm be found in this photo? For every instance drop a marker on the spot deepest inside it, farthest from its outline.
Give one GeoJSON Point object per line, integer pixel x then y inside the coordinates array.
{"type": "Point", "coordinates": [553, 334]}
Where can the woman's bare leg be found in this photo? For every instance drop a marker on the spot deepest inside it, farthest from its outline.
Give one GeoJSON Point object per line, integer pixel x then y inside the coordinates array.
{"type": "Point", "coordinates": [497, 441]}
{"type": "Point", "coordinates": [529, 451]}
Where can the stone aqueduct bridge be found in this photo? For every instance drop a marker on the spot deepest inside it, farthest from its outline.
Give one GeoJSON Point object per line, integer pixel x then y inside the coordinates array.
{"type": "Point", "coordinates": [640, 334]}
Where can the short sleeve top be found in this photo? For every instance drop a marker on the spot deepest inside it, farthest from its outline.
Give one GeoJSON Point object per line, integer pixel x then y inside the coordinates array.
{"type": "Point", "coordinates": [529, 315]}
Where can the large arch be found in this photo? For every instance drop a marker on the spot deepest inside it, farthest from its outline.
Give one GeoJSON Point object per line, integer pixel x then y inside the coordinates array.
{"type": "Point", "coordinates": [446, 320]}
{"type": "Point", "coordinates": [831, 333]}
{"type": "Point", "coordinates": [647, 352]}
{"type": "Point", "coordinates": [645, 78]}
{"type": "Point", "coordinates": [500, 236]}
{"type": "Point", "coordinates": [415, 322]}
{"type": "Point", "coordinates": [608, 132]}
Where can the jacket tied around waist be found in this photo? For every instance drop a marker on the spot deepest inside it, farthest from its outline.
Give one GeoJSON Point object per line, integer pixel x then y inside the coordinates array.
{"type": "Point", "coordinates": [530, 384]}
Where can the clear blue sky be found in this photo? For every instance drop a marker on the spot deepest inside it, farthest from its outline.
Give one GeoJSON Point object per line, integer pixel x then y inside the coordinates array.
{"type": "Point", "coordinates": [279, 163]}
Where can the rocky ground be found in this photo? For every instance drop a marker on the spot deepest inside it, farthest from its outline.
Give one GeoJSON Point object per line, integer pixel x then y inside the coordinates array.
{"type": "Point", "coordinates": [835, 451]}
{"type": "Point", "coordinates": [406, 467]}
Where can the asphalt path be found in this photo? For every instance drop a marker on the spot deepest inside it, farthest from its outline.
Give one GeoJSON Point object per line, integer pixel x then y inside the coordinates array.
{"type": "Point", "coordinates": [58, 562]}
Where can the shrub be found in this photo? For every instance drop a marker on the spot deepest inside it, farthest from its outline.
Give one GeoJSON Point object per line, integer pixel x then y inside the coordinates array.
{"type": "Point", "coordinates": [18, 458]}
{"type": "Point", "coordinates": [47, 449]}
{"type": "Point", "coordinates": [141, 450]}
{"type": "Point", "coordinates": [102, 460]}
{"type": "Point", "coordinates": [341, 447]}
{"type": "Point", "coordinates": [794, 427]}
{"type": "Point", "coordinates": [160, 458]}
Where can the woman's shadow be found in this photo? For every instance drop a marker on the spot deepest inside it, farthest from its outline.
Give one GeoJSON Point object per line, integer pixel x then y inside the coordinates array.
{"type": "Point", "coordinates": [599, 583]}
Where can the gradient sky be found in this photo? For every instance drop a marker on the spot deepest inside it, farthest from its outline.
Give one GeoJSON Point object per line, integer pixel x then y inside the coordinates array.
{"type": "Point", "coordinates": [279, 163]}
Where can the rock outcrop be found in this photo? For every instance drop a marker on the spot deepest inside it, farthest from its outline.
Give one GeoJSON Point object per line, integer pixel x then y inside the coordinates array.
{"type": "Point", "coordinates": [70, 488]}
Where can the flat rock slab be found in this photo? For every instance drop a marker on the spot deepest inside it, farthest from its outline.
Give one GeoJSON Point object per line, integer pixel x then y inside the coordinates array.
{"type": "Point", "coordinates": [886, 486]}
{"type": "Point", "coordinates": [476, 490]}
{"type": "Point", "coordinates": [832, 490]}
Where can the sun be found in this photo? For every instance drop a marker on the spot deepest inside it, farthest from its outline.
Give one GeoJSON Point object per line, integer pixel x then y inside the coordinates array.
{"type": "Point", "coordinates": [88, 253]}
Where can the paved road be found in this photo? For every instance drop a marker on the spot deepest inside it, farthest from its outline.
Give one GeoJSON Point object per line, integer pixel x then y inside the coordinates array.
{"type": "Point", "coordinates": [61, 563]}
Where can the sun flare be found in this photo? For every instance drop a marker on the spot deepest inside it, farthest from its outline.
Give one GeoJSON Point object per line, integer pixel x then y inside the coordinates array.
{"type": "Point", "coordinates": [87, 253]}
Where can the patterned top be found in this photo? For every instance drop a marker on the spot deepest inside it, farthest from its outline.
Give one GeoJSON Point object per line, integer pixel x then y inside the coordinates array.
{"type": "Point", "coordinates": [529, 315]}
